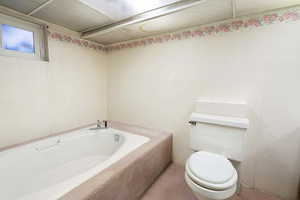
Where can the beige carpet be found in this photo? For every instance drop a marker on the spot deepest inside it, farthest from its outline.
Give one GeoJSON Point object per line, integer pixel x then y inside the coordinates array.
{"type": "Point", "coordinates": [171, 186]}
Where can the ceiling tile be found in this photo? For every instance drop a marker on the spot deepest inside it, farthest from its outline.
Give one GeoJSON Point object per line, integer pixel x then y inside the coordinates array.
{"type": "Point", "coordinates": [112, 37]}
{"type": "Point", "coordinates": [121, 9]}
{"type": "Point", "coordinates": [245, 7]}
{"type": "Point", "coordinates": [23, 6]}
{"type": "Point", "coordinates": [72, 14]}
{"type": "Point", "coordinates": [210, 11]}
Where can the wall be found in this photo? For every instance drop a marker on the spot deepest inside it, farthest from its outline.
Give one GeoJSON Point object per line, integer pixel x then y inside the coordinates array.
{"type": "Point", "coordinates": [40, 98]}
{"type": "Point", "coordinates": [156, 86]}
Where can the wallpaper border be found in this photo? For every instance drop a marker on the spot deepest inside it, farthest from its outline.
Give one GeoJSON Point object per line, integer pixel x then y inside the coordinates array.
{"type": "Point", "coordinates": [77, 41]}
{"type": "Point", "coordinates": [247, 22]}
{"type": "Point", "coordinates": [231, 25]}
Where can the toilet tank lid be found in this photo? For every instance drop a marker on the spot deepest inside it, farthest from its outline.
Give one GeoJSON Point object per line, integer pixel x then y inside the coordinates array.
{"type": "Point", "coordinates": [235, 122]}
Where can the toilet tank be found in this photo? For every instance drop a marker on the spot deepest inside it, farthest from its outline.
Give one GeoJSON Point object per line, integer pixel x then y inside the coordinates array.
{"type": "Point", "coordinates": [220, 129]}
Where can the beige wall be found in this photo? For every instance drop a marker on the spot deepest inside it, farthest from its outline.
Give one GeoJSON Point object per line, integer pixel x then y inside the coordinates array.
{"type": "Point", "coordinates": [40, 98]}
{"type": "Point", "coordinates": [155, 86]}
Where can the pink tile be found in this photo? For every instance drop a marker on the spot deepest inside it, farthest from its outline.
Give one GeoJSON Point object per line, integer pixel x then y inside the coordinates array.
{"type": "Point", "coordinates": [250, 194]}
{"type": "Point", "coordinates": [170, 186]}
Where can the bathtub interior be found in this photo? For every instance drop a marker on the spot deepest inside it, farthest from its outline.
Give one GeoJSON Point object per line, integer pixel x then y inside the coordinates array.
{"type": "Point", "coordinates": [33, 167]}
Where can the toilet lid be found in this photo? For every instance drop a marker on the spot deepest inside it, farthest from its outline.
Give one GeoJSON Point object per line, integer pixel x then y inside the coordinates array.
{"type": "Point", "coordinates": [210, 167]}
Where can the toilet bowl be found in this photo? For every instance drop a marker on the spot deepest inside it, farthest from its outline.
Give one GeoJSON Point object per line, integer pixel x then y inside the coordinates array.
{"type": "Point", "coordinates": [210, 176]}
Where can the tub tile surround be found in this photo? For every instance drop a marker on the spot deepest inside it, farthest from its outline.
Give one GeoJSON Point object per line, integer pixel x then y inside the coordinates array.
{"type": "Point", "coordinates": [130, 177]}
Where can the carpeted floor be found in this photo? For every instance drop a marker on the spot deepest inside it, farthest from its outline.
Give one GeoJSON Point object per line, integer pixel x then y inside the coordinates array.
{"type": "Point", "coordinates": [171, 186]}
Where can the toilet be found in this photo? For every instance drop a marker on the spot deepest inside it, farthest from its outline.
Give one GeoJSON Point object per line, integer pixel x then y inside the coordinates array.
{"type": "Point", "coordinates": [210, 176]}
{"type": "Point", "coordinates": [215, 140]}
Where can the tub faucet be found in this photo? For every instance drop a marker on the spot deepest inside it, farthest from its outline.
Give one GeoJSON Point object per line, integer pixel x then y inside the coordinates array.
{"type": "Point", "coordinates": [100, 125]}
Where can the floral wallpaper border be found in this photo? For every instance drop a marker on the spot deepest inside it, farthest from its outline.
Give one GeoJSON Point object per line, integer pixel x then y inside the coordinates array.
{"type": "Point", "coordinates": [80, 42]}
{"type": "Point", "coordinates": [249, 22]}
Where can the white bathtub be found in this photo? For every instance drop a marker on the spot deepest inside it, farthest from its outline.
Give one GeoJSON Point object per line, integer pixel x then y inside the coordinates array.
{"type": "Point", "coordinates": [48, 169]}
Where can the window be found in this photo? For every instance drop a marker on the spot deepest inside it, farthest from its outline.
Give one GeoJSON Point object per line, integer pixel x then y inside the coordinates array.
{"type": "Point", "coordinates": [21, 39]}
{"type": "Point", "coordinates": [17, 39]}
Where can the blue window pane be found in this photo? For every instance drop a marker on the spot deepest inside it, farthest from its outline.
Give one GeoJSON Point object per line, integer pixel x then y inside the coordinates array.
{"type": "Point", "coordinates": [17, 39]}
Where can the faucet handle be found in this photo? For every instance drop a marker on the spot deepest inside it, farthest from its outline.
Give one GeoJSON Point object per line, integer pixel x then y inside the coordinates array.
{"type": "Point", "coordinates": [105, 123]}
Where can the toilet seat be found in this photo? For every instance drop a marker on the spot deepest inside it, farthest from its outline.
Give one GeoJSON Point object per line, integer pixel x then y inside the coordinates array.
{"type": "Point", "coordinates": [211, 171]}
{"type": "Point", "coordinates": [208, 194]}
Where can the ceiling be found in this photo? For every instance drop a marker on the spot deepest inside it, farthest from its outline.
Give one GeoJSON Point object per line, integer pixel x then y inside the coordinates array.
{"type": "Point", "coordinates": [83, 15]}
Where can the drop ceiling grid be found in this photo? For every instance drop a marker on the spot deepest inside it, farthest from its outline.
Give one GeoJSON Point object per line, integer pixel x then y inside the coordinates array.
{"type": "Point", "coordinates": [23, 6]}
{"type": "Point", "coordinates": [246, 7]}
{"type": "Point", "coordinates": [72, 14]}
{"type": "Point", "coordinates": [208, 12]}
{"type": "Point", "coordinates": [253, 21]}
{"type": "Point", "coordinates": [77, 16]}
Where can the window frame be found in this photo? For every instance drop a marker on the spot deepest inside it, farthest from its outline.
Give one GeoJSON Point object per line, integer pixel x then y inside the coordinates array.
{"type": "Point", "coordinates": [38, 38]}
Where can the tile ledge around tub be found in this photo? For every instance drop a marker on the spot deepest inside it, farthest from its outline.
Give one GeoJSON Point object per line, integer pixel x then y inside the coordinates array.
{"type": "Point", "coordinates": [137, 167]}
{"type": "Point", "coordinates": [136, 129]}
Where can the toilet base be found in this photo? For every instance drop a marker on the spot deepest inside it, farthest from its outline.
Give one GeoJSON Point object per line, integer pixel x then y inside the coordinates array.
{"type": "Point", "coordinates": [199, 197]}
{"type": "Point", "coordinates": [202, 193]}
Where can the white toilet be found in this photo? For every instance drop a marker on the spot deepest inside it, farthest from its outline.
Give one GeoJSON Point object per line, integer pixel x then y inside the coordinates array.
{"type": "Point", "coordinates": [215, 139]}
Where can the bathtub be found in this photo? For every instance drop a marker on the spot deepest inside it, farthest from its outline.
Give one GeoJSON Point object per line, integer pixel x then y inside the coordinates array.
{"type": "Point", "coordinates": [49, 168]}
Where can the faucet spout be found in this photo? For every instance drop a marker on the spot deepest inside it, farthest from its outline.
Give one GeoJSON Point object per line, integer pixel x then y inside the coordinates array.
{"type": "Point", "coordinates": [100, 125]}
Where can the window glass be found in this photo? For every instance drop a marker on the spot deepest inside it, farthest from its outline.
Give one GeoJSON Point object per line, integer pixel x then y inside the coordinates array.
{"type": "Point", "coordinates": [17, 39]}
